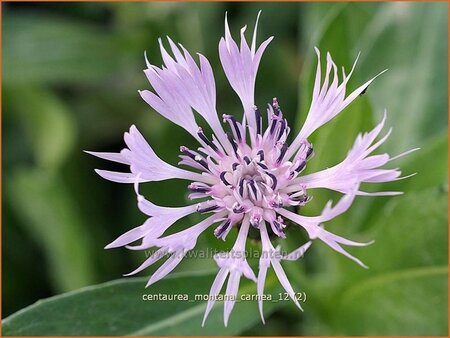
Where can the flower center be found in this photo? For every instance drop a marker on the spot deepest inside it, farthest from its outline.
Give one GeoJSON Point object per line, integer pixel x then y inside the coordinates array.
{"type": "Point", "coordinates": [250, 178]}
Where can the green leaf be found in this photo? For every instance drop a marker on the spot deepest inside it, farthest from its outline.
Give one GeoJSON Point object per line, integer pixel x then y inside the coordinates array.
{"type": "Point", "coordinates": [410, 302]}
{"type": "Point", "coordinates": [118, 308]}
{"type": "Point", "coordinates": [410, 252]}
{"type": "Point", "coordinates": [410, 40]}
{"type": "Point", "coordinates": [431, 165]}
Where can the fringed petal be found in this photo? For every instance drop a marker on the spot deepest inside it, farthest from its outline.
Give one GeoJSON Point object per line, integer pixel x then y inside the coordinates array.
{"type": "Point", "coordinates": [240, 65]}
{"type": "Point", "coordinates": [328, 100]}
{"type": "Point", "coordinates": [358, 167]}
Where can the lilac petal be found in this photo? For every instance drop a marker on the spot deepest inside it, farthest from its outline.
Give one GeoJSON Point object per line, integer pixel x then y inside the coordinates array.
{"type": "Point", "coordinates": [145, 163]}
{"type": "Point", "coordinates": [326, 234]}
{"type": "Point", "coordinates": [335, 246]}
{"type": "Point", "coordinates": [115, 157]}
{"type": "Point", "coordinates": [151, 209]}
{"type": "Point", "coordinates": [240, 65]}
{"type": "Point", "coordinates": [247, 271]}
{"type": "Point", "coordinates": [297, 253]}
{"type": "Point", "coordinates": [359, 165]}
{"type": "Point", "coordinates": [169, 102]}
{"type": "Point", "coordinates": [380, 193]}
{"type": "Point", "coordinates": [117, 177]}
{"type": "Point", "coordinates": [232, 289]}
{"type": "Point", "coordinates": [182, 86]}
{"type": "Point", "coordinates": [167, 267]}
{"type": "Point", "coordinates": [260, 285]}
{"type": "Point", "coordinates": [215, 290]}
{"type": "Point", "coordinates": [308, 221]}
{"type": "Point", "coordinates": [284, 281]}
{"type": "Point", "coordinates": [156, 256]}
{"type": "Point", "coordinates": [157, 226]}
{"type": "Point", "coordinates": [403, 154]}
{"type": "Point", "coordinates": [327, 102]}
{"type": "Point", "coordinates": [381, 175]}
{"type": "Point", "coordinates": [188, 237]}
{"type": "Point", "coordinates": [130, 236]}
{"type": "Point", "coordinates": [359, 90]}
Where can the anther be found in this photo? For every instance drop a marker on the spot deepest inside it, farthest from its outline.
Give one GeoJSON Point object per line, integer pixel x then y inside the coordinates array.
{"type": "Point", "coordinates": [222, 230]}
{"type": "Point", "coordinates": [258, 119]}
{"type": "Point", "coordinates": [282, 128]}
{"type": "Point", "coordinates": [197, 158]}
{"type": "Point", "coordinates": [253, 187]}
{"type": "Point", "coordinates": [275, 105]}
{"type": "Point", "coordinates": [238, 209]}
{"type": "Point", "coordinates": [273, 124]}
{"type": "Point", "coordinates": [233, 124]}
{"type": "Point", "coordinates": [309, 151]}
{"type": "Point", "coordinates": [241, 187]}
{"type": "Point", "coordinates": [247, 160]}
{"type": "Point", "coordinates": [300, 166]}
{"type": "Point", "coordinates": [202, 210]}
{"type": "Point", "coordinates": [206, 140]}
{"type": "Point", "coordinates": [201, 161]}
{"type": "Point", "coordinates": [273, 178]}
{"type": "Point", "coordinates": [277, 228]}
{"type": "Point", "coordinates": [262, 165]}
{"type": "Point", "coordinates": [234, 166]}
{"type": "Point", "coordinates": [233, 143]}
{"type": "Point", "coordinates": [260, 153]}
{"type": "Point", "coordinates": [195, 188]}
{"type": "Point", "coordinates": [283, 150]}
{"type": "Point", "coordinates": [223, 179]}
{"type": "Point", "coordinates": [301, 200]}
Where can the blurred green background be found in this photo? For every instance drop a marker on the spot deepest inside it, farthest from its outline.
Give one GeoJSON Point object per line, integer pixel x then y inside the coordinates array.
{"type": "Point", "coordinates": [70, 78]}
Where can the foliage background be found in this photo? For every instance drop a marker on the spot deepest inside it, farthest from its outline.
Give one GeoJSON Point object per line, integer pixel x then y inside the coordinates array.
{"type": "Point", "coordinates": [70, 78]}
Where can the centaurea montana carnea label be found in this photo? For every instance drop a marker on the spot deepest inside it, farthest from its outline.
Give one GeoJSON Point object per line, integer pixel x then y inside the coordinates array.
{"type": "Point", "coordinates": [246, 175]}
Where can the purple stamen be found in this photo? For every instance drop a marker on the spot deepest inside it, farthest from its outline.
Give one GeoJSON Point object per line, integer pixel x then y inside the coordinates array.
{"type": "Point", "coordinates": [238, 209]}
{"type": "Point", "coordinates": [253, 187]}
{"type": "Point", "coordinates": [223, 179]}
{"type": "Point", "coordinates": [221, 230]}
{"type": "Point", "coordinates": [197, 158]}
{"type": "Point", "coordinates": [201, 189]}
{"type": "Point", "coordinates": [276, 106]}
{"type": "Point", "coordinates": [206, 140]}
{"type": "Point", "coordinates": [233, 143]}
{"type": "Point", "coordinates": [283, 150]}
{"type": "Point", "coordinates": [258, 118]}
{"type": "Point", "coordinates": [261, 155]}
{"type": "Point", "coordinates": [273, 178]}
{"type": "Point", "coordinates": [300, 166]}
{"type": "Point", "coordinates": [282, 128]}
{"type": "Point", "coordinates": [241, 186]}
{"type": "Point", "coordinates": [310, 151]}
{"type": "Point", "coordinates": [273, 124]}
{"type": "Point", "coordinates": [206, 209]}
{"type": "Point", "coordinates": [262, 165]}
{"type": "Point", "coordinates": [233, 124]}
{"type": "Point", "coordinates": [278, 229]}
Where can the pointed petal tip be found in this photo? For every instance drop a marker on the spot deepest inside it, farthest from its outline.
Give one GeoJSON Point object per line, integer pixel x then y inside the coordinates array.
{"type": "Point", "coordinates": [150, 282]}
{"type": "Point", "coordinates": [110, 246]}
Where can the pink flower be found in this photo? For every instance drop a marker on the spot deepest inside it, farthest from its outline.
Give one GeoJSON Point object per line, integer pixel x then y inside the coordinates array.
{"type": "Point", "coordinates": [249, 176]}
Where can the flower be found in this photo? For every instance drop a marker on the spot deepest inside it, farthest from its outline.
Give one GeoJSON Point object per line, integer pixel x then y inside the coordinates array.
{"type": "Point", "coordinates": [247, 177]}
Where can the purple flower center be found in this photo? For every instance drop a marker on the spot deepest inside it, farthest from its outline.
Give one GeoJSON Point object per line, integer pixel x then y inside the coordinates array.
{"type": "Point", "coordinates": [255, 180]}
